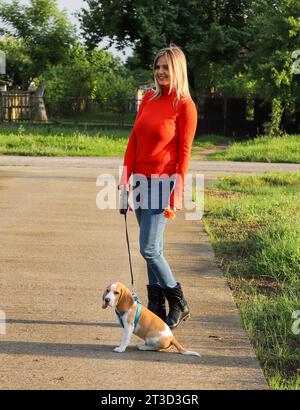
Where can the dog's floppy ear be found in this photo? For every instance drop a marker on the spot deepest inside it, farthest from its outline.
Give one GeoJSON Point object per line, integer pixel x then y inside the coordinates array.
{"type": "Point", "coordinates": [125, 300]}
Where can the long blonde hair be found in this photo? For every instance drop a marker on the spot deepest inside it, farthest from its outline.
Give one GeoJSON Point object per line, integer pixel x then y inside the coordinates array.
{"type": "Point", "coordinates": [177, 71]}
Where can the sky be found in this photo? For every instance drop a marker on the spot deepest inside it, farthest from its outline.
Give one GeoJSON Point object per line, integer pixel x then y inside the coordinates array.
{"type": "Point", "coordinates": [74, 5]}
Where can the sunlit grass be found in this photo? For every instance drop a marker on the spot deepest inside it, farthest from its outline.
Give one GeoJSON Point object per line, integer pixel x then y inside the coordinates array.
{"type": "Point", "coordinates": [254, 226]}
{"type": "Point", "coordinates": [263, 149]}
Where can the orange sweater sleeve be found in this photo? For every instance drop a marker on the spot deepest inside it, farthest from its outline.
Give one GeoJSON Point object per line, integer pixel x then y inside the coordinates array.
{"type": "Point", "coordinates": [187, 123]}
{"type": "Point", "coordinates": [130, 153]}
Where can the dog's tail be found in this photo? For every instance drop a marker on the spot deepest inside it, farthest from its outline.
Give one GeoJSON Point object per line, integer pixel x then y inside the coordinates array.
{"type": "Point", "coordinates": [182, 350]}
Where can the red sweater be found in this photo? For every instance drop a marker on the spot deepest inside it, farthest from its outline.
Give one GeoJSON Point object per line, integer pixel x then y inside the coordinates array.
{"type": "Point", "coordinates": [161, 140]}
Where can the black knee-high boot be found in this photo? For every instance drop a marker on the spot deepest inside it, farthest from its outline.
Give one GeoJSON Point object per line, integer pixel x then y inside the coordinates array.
{"type": "Point", "coordinates": [157, 301]}
{"type": "Point", "coordinates": [178, 307]}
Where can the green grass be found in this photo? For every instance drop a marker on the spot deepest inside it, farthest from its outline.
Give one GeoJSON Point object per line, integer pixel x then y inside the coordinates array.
{"type": "Point", "coordinates": [254, 226]}
{"type": "Point", "coordinates": [263, 149]}
{"type": "Point", "coordinates": [59, 141]}
{"type": "Point", "coordinates": [91, 140]}
{"type": "Point", "coordinates": [209, 141]}
{"type": "Point", "coordinates": [51, 140]}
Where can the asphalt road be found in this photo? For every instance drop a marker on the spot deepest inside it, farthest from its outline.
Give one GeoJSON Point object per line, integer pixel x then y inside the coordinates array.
{"type": "Point", "coordinates": [58, 252]}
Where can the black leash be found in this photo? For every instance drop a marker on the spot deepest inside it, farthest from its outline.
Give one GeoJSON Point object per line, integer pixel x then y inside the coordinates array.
{"type": "Point", "coordinates": [123, 210]}
{"type": "Point", "coordinates": [129, 254]}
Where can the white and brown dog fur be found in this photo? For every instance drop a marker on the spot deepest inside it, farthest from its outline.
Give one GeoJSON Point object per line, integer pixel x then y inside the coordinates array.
{"type": "Point", "coordinates": [153, 330]}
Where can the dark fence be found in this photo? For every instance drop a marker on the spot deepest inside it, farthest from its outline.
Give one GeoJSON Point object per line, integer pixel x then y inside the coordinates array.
{"type": "Point", "coordinates": [240, 118]}
{"type": "Point", "coordinates": [83, 110]}
{"type": "Point", "coordinates": [23, 106]}
{"type": "Point", "coordinates": [234, 117]}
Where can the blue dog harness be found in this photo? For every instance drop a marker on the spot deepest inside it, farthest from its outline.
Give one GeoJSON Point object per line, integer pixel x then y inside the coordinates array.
{"type": "Point", "coordinates": [138, 313]}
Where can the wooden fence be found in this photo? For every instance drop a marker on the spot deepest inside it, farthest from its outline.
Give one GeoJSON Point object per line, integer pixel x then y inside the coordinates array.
{"type": "Point", "coordinates": [20, 106]}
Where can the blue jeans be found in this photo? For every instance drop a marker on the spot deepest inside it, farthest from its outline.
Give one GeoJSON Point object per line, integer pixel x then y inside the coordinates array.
{"type": "Point", "coordinates": [149, 205]}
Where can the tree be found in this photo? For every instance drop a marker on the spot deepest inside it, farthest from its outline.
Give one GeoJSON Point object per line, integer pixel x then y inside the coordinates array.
{"type": "Point", "coordinates": [19, 65]}
{"type": "Point", "coordinates": [86, 75]}
{"type": "Point", "coordinates": [45, 35]}
{"type": "Point", "coordinates": [237, 47]}
{"type": "Point", "coordinates": [211, 32]}
{"type": "Point", "coordinates": [273, 34]}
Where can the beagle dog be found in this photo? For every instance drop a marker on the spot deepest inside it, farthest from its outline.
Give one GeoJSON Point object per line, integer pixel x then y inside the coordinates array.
{"type": "Point", "coordinates": [137, 319]}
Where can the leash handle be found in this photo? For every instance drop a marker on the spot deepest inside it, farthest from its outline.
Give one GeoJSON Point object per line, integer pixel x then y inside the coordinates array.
{"type": "Point", "coordinates": [123, 199]}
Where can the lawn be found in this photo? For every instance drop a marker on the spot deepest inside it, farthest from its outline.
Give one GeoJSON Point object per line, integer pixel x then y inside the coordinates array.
{"type": "Point", "coordinates": [61, 141]}
{"type": "Point", "coordinates": [49, 140]}
{"type": "Point", "coordinates": [91, 140]}
{"type": "Point", "coordinates": [254, 226]}
{"type": "Point", "coordinates": [263, 149]}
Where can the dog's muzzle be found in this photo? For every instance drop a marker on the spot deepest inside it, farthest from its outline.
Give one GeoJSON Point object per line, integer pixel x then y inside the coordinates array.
{"type": "Point", "coordinates": [106, 302]}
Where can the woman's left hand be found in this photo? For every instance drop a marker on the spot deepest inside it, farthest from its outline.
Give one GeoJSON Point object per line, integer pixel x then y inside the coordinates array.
{"type": "Point", "coordinates": [169, 213]}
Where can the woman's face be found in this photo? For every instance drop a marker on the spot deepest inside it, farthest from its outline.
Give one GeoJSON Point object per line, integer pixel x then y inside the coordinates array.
{"type": "Point", "coordinates": [161, 71]}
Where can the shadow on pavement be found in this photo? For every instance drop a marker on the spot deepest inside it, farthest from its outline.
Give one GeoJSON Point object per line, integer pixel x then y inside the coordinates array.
{"type": "Point", "coordinates": [63, 323]}
{"type": "Point", "coordinates": [105, 352]}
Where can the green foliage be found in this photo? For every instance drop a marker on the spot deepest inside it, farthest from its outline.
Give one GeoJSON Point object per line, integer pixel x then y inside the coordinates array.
{"type": "Point", "coordinates": [141, 75]}
{"type": "Point", "coordinates": [275, 118]}
{"type": "Point", "coordinates": [19, 66]}
{"type": "Point", "coordinates": [93, 75]}
{"type": "Point", "coordinates": [210, 32]}
{"type": "Point", "coordinates": [45, 36]}
{"type": "Point", "coordinates": [73, 79]}
{"type": "Point", "coordinates": [236, 48]}
{"type": "Point", "coordinates": [114, 92]}
{"type": "Point", "coordinates": [273, 34]}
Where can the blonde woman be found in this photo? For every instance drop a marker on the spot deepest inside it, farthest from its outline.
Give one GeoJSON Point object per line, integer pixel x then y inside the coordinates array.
{"type": "Point", "coordinates": [157, 157]}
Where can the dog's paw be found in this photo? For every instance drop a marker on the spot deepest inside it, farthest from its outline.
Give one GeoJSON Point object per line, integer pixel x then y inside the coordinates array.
{"type": "Point", "coordinates": [120, 349]}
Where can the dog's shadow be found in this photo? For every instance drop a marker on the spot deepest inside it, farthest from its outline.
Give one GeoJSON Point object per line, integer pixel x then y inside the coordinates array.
{"type": "Point", "coordinates": [89, 351]}
{"type": "Point", "coordinates": [105, 352]}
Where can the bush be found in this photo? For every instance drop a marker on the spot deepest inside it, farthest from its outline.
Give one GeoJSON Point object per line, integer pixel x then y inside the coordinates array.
{"type": "Point", "coordinates": [96, 76]}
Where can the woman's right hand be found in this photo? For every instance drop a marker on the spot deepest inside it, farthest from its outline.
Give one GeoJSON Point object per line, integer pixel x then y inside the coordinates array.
{"type": "Point", "coordinates": [128, 188]}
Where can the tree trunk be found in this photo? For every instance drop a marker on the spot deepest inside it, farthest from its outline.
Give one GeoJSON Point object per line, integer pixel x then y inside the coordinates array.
{"type": "Point", "coordinates": [39, 109]}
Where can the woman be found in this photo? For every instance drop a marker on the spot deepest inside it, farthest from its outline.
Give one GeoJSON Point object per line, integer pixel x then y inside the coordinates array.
{"type": "Point", "coordinates": [157, 156]}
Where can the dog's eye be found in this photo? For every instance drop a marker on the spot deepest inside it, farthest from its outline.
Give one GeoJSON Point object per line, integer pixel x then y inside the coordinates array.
{"type": "Point", "coordinates": [107, 290]}
{"type": "Point", "coordinates": [116, 293]}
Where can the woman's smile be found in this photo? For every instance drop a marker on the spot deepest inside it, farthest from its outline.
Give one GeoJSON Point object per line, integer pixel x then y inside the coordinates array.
{"type": "Point", "coordinates": [162, 71]}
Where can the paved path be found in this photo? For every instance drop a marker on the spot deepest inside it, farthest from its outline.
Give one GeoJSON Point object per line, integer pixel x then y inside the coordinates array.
{"type": "Point", "coordinates": [58, 251]}
{"type": "Point", "coordinates": [211, 169]}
